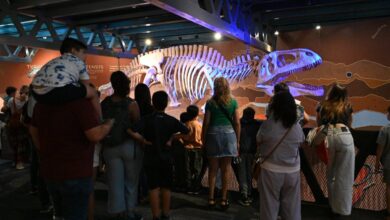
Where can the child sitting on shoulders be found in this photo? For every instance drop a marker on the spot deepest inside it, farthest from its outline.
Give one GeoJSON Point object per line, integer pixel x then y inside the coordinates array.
{"type": "Point", "coordinates": [65, 78]}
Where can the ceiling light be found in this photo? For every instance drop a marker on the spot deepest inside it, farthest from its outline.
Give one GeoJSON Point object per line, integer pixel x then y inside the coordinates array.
{"type": "Point", "coordinates": [147, 32]}
{"type": "Point", "coordinates": [44, 38]}
{"type": "Point", "coordinates": [318, 27]}
{"type": "Point", "coordinates": [217, 36]}
{"type": "Point", "coordinates": [276, 33]}
{"type": "Point", "coordinates": [147, 25]}
{"type": "Point", "coordinates": [148, 42]}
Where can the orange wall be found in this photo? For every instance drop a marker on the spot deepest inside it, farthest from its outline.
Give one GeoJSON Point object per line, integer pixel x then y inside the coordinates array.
{"type": "Point", "coordinates": [99, 68]}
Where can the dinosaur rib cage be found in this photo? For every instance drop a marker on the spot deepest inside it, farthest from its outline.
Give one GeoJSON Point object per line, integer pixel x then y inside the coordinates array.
{"type": "Point", "coordinates": [189, 70]}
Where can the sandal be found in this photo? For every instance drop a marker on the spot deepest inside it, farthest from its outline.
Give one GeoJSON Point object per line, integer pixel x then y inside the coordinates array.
{"type": "Point", "coordinates": [212, 203]}
{"type": "Point", "coordinates": [225, 204]}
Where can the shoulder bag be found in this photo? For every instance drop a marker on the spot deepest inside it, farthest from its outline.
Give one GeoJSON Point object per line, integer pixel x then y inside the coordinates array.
{"type": "Point", "coordinates": [260, 159]}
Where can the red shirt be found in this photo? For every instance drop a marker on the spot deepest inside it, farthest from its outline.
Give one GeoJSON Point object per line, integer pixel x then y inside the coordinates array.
{"type": "Point", "coordinates": [65, 151]}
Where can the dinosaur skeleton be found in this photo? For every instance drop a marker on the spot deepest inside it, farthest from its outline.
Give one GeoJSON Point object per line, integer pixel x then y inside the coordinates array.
{"type": "Point", "coordinates": [189, 70]}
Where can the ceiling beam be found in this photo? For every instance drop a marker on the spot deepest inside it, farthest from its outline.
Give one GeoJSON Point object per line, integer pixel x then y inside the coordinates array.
{"type": "Point", "coordinates": [163, 34]}
{"type": "Point", "coordinates": [105, 19]}
{"type": "Point", "coordinates": [93, 7]}
{"type": "Point", "coordinates": [25, 4]}
{"type": "Point", "coordinates": [191, 11]}
{"type": "Point", "coordinates": [338, 16]}
{"type": "Point", "coordinates": [180, 39]}
{"type": "Point", "coordinates": [158, 28]}
{"type": "Point", "coordinates": [33, 42]}
{"type": "Point", "coordinates": [185, 41]}
{"type": "Point", "coordinates": [317, 10]}
{"type": "Point", "coordinates": [143, 22]}
{"type": "Point", "coordinates": [306, 23]}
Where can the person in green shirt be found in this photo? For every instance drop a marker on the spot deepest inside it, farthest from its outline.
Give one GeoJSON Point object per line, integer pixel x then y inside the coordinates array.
{"type": "Point", "coordinates": [221, 136]}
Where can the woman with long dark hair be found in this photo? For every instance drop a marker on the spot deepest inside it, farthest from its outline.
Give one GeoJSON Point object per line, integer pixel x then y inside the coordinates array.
{"type": "Point", "coordinates": [221, 136]}
{"type": "Point", "coordinates": [122, 155]}
{"type": "Point", "coordinates": [336, 113]}
{"type": "Point", "coordinates": [278, 140]}
{"type": "Point", "coordinates": [144, 99]}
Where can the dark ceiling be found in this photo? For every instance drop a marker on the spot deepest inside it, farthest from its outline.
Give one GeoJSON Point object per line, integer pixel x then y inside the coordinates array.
{"type": "Point", "coordinates": [139, 20]}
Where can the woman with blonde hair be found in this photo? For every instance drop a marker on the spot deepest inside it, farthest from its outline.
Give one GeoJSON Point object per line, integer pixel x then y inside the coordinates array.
{"type": "Point", "coordinates": [336, 113]}
{"type": "Point", "coordinates": [221, 136]}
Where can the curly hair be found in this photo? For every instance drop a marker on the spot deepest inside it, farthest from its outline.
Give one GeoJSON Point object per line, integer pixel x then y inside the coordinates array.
{"type": "Point", "coordinates": [222, 91]}
{"type": "Point", "coordinates": [284, 108]}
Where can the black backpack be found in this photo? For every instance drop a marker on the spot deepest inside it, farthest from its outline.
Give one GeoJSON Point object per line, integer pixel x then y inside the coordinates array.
{"type": "Point", "coordinates": [120, 112]}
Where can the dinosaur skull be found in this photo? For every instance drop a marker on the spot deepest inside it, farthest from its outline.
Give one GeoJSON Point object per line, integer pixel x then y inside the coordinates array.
{"type": "Point", "coordinates": [278, 65]}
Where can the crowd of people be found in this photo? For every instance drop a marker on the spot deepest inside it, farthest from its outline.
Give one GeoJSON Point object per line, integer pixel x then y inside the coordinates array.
{"type": "Point", "coordinates": [61, 116]}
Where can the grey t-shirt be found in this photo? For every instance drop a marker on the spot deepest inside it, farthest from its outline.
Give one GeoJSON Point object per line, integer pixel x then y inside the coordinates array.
{"type": "Point", "coordinates": [287, 153]}
{"type": "Point", "coordinates": [384, 140]}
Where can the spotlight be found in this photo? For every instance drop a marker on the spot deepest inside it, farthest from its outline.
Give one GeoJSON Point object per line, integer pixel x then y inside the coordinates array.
{"type": "Point", "coordinates": [217, 36]}
{"type": "Point", "coordinates": [276, 33]}
{"type": "Point", "coordinates": [148, 42]}
{"type": "Point", "coordinates": [318, 27]}
{"type": "Point", "coordinates": [147, 25]}
{"type": "Point", "coordinates": [44, 38]}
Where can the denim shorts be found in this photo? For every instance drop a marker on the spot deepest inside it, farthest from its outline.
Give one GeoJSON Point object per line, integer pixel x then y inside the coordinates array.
{"type": "Point", "coordinates": [221, 141]}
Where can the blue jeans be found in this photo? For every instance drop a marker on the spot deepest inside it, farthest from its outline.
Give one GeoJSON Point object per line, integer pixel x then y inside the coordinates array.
{"type": "Point", "coordinates": [124, 164]}
{"type": "Point", "coordinates": [70, 197]}
{"type": "Point", "coordinates": [245, 174]}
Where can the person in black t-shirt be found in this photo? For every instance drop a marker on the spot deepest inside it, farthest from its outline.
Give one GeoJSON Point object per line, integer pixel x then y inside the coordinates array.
{"type": "Point", "coordinates": [157, 129]}
{"type": "Point", "coordinates": [248, 146]}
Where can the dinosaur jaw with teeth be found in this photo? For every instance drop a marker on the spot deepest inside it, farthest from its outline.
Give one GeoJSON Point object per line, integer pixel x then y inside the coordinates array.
{"type": "Point", "coordinates": [278, 65]}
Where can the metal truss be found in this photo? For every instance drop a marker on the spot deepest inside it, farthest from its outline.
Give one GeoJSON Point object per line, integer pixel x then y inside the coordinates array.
{"type": "Point", "coordinates": [18, 54]}
{"type": "Point", "coordinates": [228, 17]}
{"type": "Point", "coordinates": [39, 31]}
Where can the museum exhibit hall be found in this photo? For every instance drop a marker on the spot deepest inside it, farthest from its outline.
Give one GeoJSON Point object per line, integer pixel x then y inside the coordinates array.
{"type": "Point", "coordinates": [194, 109]}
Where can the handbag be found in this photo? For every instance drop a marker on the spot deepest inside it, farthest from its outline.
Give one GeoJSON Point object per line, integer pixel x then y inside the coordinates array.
{"type": "Point", "coordinates": [317, 141]}
{"type": "Point", "coordinates": [260, 160]}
